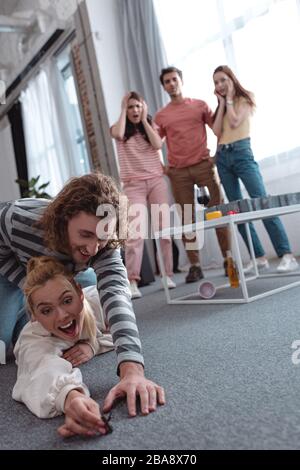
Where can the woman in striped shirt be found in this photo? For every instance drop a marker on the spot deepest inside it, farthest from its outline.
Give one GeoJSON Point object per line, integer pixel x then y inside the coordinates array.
{"type": "Point", "coordinates": [141, 172]}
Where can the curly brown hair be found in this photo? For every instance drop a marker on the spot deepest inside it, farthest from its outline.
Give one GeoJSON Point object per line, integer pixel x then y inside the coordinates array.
{"type": "Point", "coordinates": [84, 193]}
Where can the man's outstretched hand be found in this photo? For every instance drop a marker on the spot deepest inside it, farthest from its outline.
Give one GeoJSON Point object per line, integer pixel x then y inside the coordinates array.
{"type": "Point", "coordinates": [133, 384]}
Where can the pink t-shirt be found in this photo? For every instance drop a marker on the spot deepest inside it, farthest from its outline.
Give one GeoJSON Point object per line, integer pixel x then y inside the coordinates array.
{"type": "Point", "coordinates": [183, 125]}
{"type": "Point", "coordinates": [138, 159]}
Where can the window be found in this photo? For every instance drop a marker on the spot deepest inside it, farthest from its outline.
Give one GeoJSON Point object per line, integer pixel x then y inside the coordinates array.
{"type": "Point", "coordinates": [72, 109]}
{"type": "Point", "coordinates": [259, 40]}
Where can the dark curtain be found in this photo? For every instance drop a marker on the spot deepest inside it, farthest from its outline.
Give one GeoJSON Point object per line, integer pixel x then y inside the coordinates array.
{"type": "Point", "coordinates": [16, 122]}
{"type": "Point", "coordinates": [143, 50]}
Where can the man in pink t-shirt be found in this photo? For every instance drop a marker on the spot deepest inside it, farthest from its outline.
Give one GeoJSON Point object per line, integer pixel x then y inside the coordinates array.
{"type": "Point", "coordinates": [183, 123]}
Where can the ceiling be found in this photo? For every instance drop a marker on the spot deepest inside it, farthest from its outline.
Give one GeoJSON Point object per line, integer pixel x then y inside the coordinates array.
{"type": "Point", "coordinates": [8, 6]}
{"type": "Point", "coordinates": [23, 25]}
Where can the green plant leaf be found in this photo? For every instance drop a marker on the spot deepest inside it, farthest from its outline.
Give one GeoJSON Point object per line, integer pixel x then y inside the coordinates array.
{"type": "Point", "coordinates": [22, 183]}
{"type": "Point", "coordinates": [43, 186]}
{"type": "Point", "coordinates": [31, 190]}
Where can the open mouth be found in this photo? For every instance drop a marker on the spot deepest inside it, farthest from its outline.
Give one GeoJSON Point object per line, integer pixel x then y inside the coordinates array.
{"type": "Point", "coordinates": [84, 253]}
{"type": "Point", "coordinates": [69, 329]}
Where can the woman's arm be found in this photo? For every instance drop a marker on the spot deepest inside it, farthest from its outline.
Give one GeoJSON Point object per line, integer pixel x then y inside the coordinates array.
{"type": "Point", "coordinates": [115, 299]}
{"type": "Point", "coordinates": [152, 134]}
{"type": "Point", "coordinates": [49, 386]}
{"type": "Point", "coordinates": [235, 115]}
{"type": "Point", "coordinates": [103, 341]}
{"type": "Point", "coordinates": [44, 377]}
{"type": "Point", "coordinates": [118, 129]}
{"type": "Point", "coordinates": [218, 119]}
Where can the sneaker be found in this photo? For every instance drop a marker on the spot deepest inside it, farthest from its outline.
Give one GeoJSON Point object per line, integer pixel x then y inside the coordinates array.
{"type": "Point", "coordinates": [261, 264]}
{"type": "Point", "coordinates": [170, 283]}
{"type": "Point", "coordinates": [135, 292]}
{"type": "Point", "coordinates": [288, 263]}
{"type": "Point", "coordinates": [195, 274]}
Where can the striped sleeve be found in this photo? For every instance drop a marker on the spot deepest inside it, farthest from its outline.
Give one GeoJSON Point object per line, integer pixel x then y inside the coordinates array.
{"type": "Point", "coordinates": [115, 298]}
{"type": "Point", "coordinates": [10, 266]}
{"type": "Point", "coordinates": [19, 239]}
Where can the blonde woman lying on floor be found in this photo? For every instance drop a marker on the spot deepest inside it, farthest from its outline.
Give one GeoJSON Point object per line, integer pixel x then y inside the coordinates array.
{"type": "Point", "coordinates": [67, 328]}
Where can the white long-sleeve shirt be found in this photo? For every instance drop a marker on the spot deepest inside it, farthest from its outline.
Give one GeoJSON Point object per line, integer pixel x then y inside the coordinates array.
{"type": "Point", "coordinates": [44, 377]}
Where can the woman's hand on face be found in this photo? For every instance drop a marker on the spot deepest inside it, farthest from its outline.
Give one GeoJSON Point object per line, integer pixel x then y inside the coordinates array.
{"type": "Point", "coordinates": [124, 103]}
{"type": "Point", "coordinates": [230, 89]}
{"type": "Point", "coordinates": [221, 99]}
{"type": "Point", "coordinates": [78, 354]}
{"type": "Point", "coordinates": [145, 111]}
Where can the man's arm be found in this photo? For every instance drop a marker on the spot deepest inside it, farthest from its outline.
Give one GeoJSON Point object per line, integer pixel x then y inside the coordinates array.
{"type": "Point", "coordinates": [115, 299]}
{"type": "Point", "coordinates": [207, 114]}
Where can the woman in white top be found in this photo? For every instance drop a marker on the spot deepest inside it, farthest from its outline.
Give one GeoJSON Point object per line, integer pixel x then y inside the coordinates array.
{"type": "Point", "coordinates": [67, 328]}
{"type": "Point", "coordinates": [235, 161]}
{"type": "Point", "coordinates": [141, 172]}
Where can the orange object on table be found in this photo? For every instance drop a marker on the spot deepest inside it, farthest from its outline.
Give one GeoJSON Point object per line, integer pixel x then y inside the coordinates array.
{"type": "Point", "coordinates": [213, 215]}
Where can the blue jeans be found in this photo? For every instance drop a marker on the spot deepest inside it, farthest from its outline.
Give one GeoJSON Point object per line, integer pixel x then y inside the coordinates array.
{"type": "Point", "coordinates": [13, 315]}
{"type": "Point", "coordinates": [236, 161]}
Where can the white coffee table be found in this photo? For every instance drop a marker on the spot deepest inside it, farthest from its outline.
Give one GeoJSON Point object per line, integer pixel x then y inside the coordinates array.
{"type": "Point", "coordinates": [231, 221]}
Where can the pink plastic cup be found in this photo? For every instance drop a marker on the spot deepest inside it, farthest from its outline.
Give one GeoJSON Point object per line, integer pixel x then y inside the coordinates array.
{"type": "Point", "coordinates": [207, 290]}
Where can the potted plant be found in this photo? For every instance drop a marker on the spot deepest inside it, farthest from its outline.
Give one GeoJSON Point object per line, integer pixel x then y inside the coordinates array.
{"type": "Point", "coordinates": [31, 189]}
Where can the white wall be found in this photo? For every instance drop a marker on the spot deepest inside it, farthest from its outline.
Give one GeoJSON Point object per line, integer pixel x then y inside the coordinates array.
{"type": "Point", "coordinates": [281, 175]}
{"type": "Point", "coordinates": [106, 38]}
{"type": "Point", "coordinates": [9, 190]}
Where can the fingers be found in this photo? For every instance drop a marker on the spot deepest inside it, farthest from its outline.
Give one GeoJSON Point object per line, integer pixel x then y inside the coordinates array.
{"type": "Point", "coordinates": [91, 419]}
{"type": "Point", "coordinates": [150, 397]}
{"type": "Point", "coordinates": [76, 358]}
{"type": "Point", "coordinates": [78, 354]}
{"type": "Point", "coordinates": [149, 393]}
{"type": "Point", "coordinates": [82, 426]}
{"type": "Point", "coordinates": [71, 353]}
{"type": "Point", "coordinates": [125, 100]}
{"type": "Point", "coordinates": [161, 395]}
{"type": "Point", "coordinates": [131, 402]}
{"type": "Point", "coordinates": [64, 431]}
{"type": "Point", "coordinates": [145, 109]}
{"type": "Point", "coordinates": [72, 427]}
{"type": "Point", "coordinates": [85, 412]}
{"type": "Point", "coordinates": [112, 395]}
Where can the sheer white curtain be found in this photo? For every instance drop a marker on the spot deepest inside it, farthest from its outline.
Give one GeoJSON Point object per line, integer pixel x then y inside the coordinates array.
{"type": "Point", "coordinates": [49, 145]}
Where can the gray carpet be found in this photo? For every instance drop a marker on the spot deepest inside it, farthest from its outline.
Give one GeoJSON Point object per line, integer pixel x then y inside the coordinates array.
{"type": "Point", "coordinates": [227, 371]}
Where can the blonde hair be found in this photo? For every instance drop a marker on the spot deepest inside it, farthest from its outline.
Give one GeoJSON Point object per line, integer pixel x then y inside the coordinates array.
{"type": "Point", "coordinates": [45, 268]}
